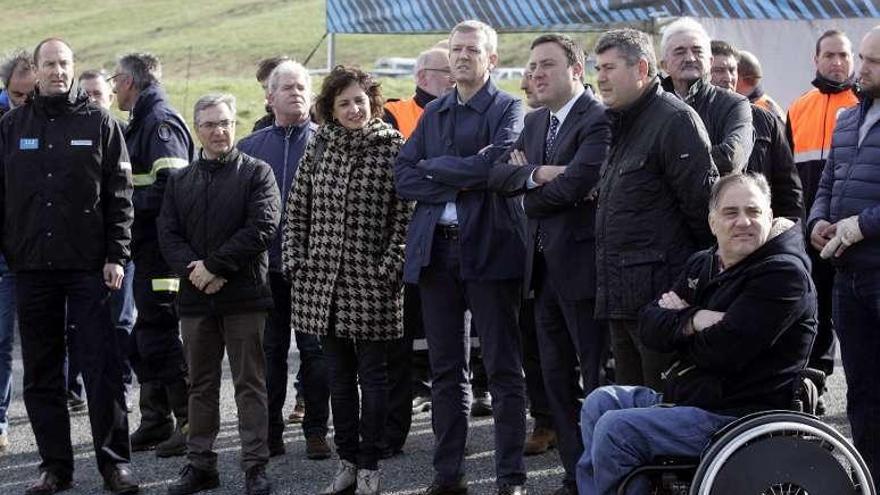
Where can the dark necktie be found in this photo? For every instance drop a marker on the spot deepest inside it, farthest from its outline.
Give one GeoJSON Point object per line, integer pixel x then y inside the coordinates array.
{"type": "Point", "coordinates": [551, 138]}
{"type": "Point", "coordinates": [548, 152]}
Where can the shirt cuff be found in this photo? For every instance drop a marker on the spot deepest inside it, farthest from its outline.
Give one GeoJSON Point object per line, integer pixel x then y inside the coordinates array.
{"type": "Point", "coordinates": [530, 182]}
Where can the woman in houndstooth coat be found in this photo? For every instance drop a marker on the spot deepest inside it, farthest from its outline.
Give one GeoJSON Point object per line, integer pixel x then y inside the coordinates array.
{"type": "Point", "coordinates": [343, 253]}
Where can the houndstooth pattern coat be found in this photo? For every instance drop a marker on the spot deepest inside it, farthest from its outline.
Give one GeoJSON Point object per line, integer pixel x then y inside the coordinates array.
{"type": "Point", "coordinates": [343, 240]}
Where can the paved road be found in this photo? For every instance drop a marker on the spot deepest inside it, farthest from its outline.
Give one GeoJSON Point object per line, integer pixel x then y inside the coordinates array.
{"type": "Point", "coordinates": [292, 473]}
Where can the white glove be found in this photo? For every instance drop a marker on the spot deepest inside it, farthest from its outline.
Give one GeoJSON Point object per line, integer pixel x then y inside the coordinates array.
{"type": "Point", "coordinates": [847, 233]}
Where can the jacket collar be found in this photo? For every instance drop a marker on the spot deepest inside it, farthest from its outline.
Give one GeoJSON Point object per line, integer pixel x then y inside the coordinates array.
{"type": "Point", "coordinates": [479, 102]}
{"type": "Point", "coordinates": [293, 129]}
{"type": "Point", "coordinates": [422, 97]}
{"type": "Point", "coordinates": [69, 102]}
{"type": "Point", "coordinates": [696, 91]}
{"type": "Point", "coordinates": [213, 165]}
{"type": "Point", "coordinates": [624, 117]}
{"type": "Point", "coordinates": [146, 100]}
{"type": "Point", "coordinates": [827, 86]}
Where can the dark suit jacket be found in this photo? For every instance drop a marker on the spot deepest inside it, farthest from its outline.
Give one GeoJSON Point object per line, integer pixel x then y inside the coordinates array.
{"type": "Point", "coordinates": [561, 207]}
{"type": "Point", "coordinates": [448, 158]}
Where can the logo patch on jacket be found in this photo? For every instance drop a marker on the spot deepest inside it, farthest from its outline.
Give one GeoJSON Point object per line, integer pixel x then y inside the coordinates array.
{"type": "Point", "coordinates": [693, 283]}
{"type": "Point", "coordinates": [80, 142]}
{"type": "Point", "coordinates": [28, 144]}
{"type": "Point", "coordinates": [164, 132]}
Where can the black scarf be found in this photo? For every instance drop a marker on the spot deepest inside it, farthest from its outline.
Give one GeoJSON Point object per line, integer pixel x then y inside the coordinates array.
{"type": "Point", "coordinates": [827, 86]}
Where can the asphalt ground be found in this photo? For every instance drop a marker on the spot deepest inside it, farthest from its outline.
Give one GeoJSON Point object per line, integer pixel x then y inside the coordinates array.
{"type": "Point", "coordinates": [292, 473]}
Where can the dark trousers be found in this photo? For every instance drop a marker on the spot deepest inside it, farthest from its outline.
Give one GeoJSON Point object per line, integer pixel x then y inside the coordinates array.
{"type": "Point", "coordinates": [358, 421]}
{"type": "Point", "coordinates": [122, 315]}
{"type": "Point", "coordinates": [313, 368]}
{"type": "Point", "coordinates": [857, 322]}
{"type": "Point", "coordinates": [45, 298]}
{"type": "Point", "coordinates": [158, 351]}
{"type": "Point", "coordinates": [635, 364]}
{"type": "Point", "coordinates": [401, 382]}
{"type": "Point", "coordinates": [568, 338]}
{"type": "Point", "coordinates": [495, 309]}
{"type": "Point", "coordinates": [420, 377]}
{"type": "Point", "coordinates": [539, 405]}
{"type": "Point", "coordinates": [825, 345]}
{"type": "Point", "coordinates": [204, 339]}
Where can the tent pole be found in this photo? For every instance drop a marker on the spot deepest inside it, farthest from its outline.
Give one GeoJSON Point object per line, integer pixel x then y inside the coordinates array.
{"type": "Point", "coordinates": [331, 52]}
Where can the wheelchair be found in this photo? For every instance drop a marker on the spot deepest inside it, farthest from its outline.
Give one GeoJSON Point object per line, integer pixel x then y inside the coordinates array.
{"type": "Point", "coordinates": [766, 453]}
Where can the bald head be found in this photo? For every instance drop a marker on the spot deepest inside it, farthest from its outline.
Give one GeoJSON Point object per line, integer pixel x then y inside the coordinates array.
{"type": "Point", "coordinates": [749, 73]}
{"type": "Point", "coordinates": [432, 71]}
{"type": "Point", "coordinates": [869, 71]}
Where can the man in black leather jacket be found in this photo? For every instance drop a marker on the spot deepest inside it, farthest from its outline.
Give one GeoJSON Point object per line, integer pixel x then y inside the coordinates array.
{"type": "Point", "coordinates": [653, 196]}
{"type": "Point", "coordinates": [687, 58]}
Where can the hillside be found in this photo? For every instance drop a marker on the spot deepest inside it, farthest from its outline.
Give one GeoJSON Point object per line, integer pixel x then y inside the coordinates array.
{"type": "Point", "coordinates": [213, 45]}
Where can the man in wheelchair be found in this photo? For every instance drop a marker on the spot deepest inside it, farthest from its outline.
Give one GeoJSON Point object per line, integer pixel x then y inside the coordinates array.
{"type": "Point", "coordinates": [740, 322]}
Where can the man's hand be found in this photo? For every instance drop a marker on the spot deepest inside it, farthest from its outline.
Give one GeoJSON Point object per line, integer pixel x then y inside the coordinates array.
{"type": "Point", "coordinates": [215, 285]}
{"type": "Point", "coordinates": [113, 275]}
{"type": "Point", "coordinates": [546, 173]}
{"type": "Point", "coordinates": [670, 300]}
{"type": "Point", "coordinates": [822, 232]}
{"type": "Point", "coordinates": [200, 276]}
{"type": "Point", "coordinates": [846, 233]}
{"type": "Point", "coordinates": [518, 157]}
{"type": "Point", "coordinates": [705, 318]}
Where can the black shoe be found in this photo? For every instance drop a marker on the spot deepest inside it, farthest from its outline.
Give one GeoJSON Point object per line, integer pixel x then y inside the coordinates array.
{"type": "Point", "coordinates": [149, 436]}
{"type": "Point", "coordinates": [512, 490]}
{"type": "Point", "coordinates": [175, 445]}
{"type": "Point", "coordinates": [48, 484]}
{"type": "Point", "coordinates": [482, 405]}
{"type": "Point", "coordinates": [276, 448]}
{"type": "Point", "coordinates": [317, 447]}
{"type": "Point", "coordinates": [457, 488]}
{"type": "Point", "coordinates": [193, 480]}
{"type": "Point", "coordinates": [118, 478]}
{"type": "Point", "coordinates": [256, 482]}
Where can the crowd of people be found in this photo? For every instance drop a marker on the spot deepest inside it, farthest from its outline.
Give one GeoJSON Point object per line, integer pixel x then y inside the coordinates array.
{"type": "Point", "coordinates": [672, 237]}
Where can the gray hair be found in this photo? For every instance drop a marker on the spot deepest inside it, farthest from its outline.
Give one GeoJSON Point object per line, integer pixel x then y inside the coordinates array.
{"type": "Point", "coordinates": [746, 179]}
{"type": "Point", "coordinates": [144, 69]}
{"type": "Point", "coordinates": [470, 26]}
{"type": "Point", "coordinates": [684, 25]}
{"type": "Point", "coordinates": [213, 100]}
{"type": "Point", "coordinates": [287, 67]}
{"type": "Point", "coordinates": [633, 44]}
{"type": "Point", "coordinates": [422, 59]}
{"type": "Point", "coordinates": [17, 60]}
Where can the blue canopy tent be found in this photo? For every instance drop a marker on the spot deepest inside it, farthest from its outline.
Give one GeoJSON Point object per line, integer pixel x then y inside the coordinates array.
{"type": "Point", "coordinates": [780, 32]}
{"type": "Point", "coordinates": [425, 16]}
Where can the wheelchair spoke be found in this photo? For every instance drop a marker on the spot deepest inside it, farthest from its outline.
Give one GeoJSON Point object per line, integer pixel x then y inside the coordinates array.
{"type": "Point", "coordinates": [785, 489]}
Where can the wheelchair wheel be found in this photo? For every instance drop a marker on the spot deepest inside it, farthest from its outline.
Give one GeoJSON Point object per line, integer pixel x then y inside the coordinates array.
{"type": "Point", "coordinates": [781, 453]}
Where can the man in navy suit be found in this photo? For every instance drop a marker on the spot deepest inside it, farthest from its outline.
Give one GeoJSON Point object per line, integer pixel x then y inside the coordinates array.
{"type": "Point", "coordinates": [465, 250]}
{"type": "Point", "coordinates": [556, 162]}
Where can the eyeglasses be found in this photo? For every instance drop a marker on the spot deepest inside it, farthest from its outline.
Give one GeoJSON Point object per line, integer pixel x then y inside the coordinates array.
{"type": "Point", "coordinates": [211, 126]}
{"type": "Point", "coordinates": [444, 70]}
{"type": "Point", "coordinates": [116, 76]}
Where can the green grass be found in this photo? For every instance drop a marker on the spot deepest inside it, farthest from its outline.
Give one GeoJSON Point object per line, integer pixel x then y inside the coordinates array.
{"type": "Point", "coordinates": [211, 45]}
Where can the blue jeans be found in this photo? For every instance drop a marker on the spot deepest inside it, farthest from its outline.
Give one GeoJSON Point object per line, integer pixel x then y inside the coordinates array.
{"type": "Point", "coordinates": [7, 327]}
{"type": "Point", "coordinates": [624, 428]}
{"type": "Point", "coordinates": [856, 303]}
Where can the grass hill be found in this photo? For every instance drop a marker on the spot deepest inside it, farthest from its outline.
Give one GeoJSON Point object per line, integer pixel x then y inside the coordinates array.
{"type": "Point", "coordinates": [214, 45]}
